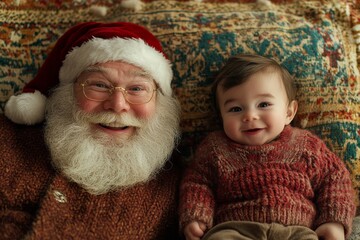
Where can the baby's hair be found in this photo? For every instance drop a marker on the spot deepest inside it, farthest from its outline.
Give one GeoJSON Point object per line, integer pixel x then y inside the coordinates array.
{"type": "Point", "coordinates": [239, 68]}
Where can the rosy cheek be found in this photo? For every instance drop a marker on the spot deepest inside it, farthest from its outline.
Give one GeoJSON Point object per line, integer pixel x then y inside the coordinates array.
{"type": "Point", "coordinates": [144, 111]}
{"type": "Point", "coordinates": [87, 105]}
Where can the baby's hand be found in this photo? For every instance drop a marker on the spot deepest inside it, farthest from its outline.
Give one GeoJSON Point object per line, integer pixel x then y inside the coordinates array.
{"type": "Point", "coordinates": [194, 230]}
{"type": "Point", "coordinates": [331, 231]}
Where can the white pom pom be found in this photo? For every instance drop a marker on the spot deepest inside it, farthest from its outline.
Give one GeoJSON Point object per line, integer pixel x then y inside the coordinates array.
{"type": "Point", "coordinates": [304, 123]}
{"type": "Point", "coordinates": [26, 108]}
{"type": "Point", "coordinates": [356, 28]}
{"type": "Point", "coordinates": [132, 4]}
{"type": "Point", "coordinates": [99, 11]}
{"type": "Point", "coordinates": [266, 3]}
{"type": "Point", "coordinates": [16, 2]}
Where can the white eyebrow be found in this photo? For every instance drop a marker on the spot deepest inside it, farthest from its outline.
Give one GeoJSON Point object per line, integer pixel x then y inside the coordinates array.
{"type": "Point", "coordinates": [96, 69]}
{"type": "Point", "coordinates": [100, 69]}
{"type": "Point", "coordinates": [142, 73]}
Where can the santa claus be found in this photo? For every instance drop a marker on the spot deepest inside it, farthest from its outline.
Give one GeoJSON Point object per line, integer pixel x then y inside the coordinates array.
{"type": "Point", "coordinates": [101, 168]}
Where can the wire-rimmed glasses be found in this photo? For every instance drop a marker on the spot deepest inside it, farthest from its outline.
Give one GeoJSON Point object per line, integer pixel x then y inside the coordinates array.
{"type": "Point", "coordinates": [134, 93]}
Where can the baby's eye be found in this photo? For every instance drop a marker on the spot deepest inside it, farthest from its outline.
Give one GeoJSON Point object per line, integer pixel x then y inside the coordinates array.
{"type": "Point", "coordinates": [264, 104]}
{"type": "Point", "coordinates": [235, 109]}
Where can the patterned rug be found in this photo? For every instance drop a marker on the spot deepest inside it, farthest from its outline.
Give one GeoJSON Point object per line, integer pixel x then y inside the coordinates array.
{"type": "Point", "coordinates": [315, 40]}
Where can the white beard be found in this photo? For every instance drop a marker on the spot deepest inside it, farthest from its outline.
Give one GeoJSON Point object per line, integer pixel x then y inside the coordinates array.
{"type": "Point", "coordinates": [100, 163]}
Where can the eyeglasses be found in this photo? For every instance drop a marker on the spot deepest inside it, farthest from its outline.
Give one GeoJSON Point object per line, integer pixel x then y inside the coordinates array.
{"type": "Point", "coordinates": [135, 93]}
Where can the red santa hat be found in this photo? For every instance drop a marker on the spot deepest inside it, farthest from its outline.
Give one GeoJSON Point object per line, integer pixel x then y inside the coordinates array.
{"type": "Point", "coordinates": [84, 45]}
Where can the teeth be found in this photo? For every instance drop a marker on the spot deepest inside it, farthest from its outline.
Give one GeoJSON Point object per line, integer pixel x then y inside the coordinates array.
{"type": "Point", "coordinates": [114, 125]}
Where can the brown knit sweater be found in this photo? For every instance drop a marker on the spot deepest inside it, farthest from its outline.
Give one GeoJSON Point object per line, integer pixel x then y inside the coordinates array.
{"type": "Point", "coordinates": [294, 180]}
{"type": "Point", "coordinates": [39, 203]}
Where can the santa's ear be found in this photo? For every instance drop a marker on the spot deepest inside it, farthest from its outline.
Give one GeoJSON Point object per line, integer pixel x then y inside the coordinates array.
{"type": "Point", "coordinates": [291, 112]}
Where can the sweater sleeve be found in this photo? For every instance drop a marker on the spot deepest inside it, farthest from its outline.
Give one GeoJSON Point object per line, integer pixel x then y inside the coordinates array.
{"type": "Point", "coordinates": [20, 154]}
{"type": "Point", "coordinates": [334, 194]}
{"type": "Point", "coordinates": [197, 201]}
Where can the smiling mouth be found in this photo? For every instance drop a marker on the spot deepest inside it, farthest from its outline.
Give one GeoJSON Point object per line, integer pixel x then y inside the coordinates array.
{"type": "Point", "coordinates": [113, 126]}
{"type": "Point", "coordinates": [252, 131]}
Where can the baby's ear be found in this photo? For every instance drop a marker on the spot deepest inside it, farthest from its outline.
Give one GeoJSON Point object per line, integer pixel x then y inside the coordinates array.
{"type": "Point", "coordinates": [291, 112]}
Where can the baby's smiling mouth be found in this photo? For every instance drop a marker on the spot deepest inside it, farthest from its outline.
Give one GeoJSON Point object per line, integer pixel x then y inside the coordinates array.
{"type": "Point", "coordinates": [252, 130]}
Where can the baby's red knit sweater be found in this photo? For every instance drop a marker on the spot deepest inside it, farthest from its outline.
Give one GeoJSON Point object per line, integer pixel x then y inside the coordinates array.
{"type": "Point", "coordinates": [294, 180]}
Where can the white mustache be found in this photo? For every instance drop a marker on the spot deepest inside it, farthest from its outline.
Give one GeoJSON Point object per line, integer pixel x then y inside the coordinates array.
{"type": "Point", "coordinates": [108, 118]}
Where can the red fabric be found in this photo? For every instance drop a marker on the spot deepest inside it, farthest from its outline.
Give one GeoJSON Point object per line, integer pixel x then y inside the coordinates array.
{"type": "Point", "coordinates": [48, 75]}
{"type": "Point", "coordinates": [294, 180]}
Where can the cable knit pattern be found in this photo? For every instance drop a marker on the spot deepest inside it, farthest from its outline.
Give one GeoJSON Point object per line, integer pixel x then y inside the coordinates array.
{"type": "Point", "coordinates": [39, 203]}
{"type": "Point", "coordinates": [294, 180]}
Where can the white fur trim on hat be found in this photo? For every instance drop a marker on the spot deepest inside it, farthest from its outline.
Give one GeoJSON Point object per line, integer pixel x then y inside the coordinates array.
{"type": "Point", "coordinates": [130, 50]}
{"type": "Point", "coordinates": [26, 108]}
